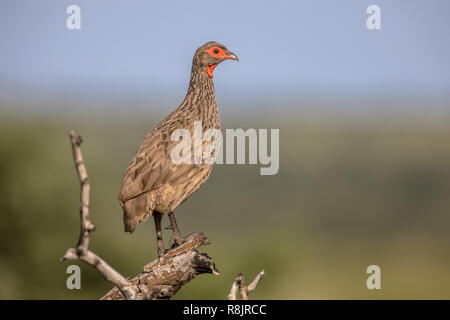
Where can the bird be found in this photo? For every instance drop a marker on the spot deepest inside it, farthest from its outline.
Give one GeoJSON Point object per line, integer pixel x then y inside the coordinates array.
{"type": "Point", "coordinates": [153, 184]}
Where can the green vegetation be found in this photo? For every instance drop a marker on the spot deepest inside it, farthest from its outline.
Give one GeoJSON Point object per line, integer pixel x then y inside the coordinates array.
{"type": "Point", "coordinates": [348, 194]}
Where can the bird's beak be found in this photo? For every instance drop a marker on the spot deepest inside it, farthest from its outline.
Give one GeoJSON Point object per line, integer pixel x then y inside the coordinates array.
{"type": "Point", "coordinates": [231, 56]}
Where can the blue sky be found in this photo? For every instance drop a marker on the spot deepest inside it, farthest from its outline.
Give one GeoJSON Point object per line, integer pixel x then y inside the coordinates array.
{"type": "Point", "coordinates": [314, 46]}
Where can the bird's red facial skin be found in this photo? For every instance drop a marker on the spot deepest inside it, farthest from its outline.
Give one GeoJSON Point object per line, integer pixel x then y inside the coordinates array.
{"type": "Point", "coordinates": [218, 53]}
{"type": "Point", "coordinates": [210, 69]}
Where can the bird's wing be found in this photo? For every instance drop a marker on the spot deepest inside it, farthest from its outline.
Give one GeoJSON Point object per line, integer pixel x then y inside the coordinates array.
{"type": "Point", "coordinates": [148, 169]}
{"type": "Point", "coordinates": [152, 166]}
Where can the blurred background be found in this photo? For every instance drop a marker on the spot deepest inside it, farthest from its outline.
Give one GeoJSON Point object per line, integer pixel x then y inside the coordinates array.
{"type": "Point", "coordinates": [364, 119]}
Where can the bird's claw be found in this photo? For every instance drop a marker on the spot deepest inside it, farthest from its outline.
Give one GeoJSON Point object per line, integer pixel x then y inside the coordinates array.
{"type": "Point", "coordinates": [176, 242]}
{"type": "Point", "coordinates": [162, 252]}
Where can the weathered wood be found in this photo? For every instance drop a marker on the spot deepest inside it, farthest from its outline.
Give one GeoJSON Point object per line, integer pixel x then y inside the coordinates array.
{"type": "Point", "coordinates": [163, 277]}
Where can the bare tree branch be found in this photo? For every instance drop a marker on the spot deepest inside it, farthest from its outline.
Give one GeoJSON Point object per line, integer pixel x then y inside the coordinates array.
{"type": "Point", "coordinates": [252, 286]}
{"type": "Point", "coordinates": [235, 287]}
{"type": "Point", "coordinates": [239, 285]}
{"type": "Point", "coordinates": [161, 278]}
{"type": "Point", "coordinates": [86, 226]}
{"type": "Point", "coordinates": [82, 249]}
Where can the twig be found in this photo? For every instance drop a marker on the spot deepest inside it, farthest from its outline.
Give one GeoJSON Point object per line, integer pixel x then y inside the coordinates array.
{"type": "Point", "coordinates": [239, 285]}
{"type": "Point", "coordinates": [86, 226]}
{"type": "Point", "coordinates": [82, 249]}
{"type": "Point", "coordinates": [252, 286]}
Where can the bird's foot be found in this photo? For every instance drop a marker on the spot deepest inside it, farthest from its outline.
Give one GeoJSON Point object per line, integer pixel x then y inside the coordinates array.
{"type": "Point", "coordinates": [176, 241]}
{"type": "Point", "coordinates": [161, 252]}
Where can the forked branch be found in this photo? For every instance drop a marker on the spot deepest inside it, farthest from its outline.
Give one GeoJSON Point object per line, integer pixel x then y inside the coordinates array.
{"type": "Point", "coordinates": [82, 252]}
{"type": "Point", "coordinates": [239, 286]}
{"type": "Point", "coordinates": [161, 278]}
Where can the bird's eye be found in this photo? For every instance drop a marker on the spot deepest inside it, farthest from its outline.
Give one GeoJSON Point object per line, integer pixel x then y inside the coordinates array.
{"type": "Point", "coordinates": [216, 51]}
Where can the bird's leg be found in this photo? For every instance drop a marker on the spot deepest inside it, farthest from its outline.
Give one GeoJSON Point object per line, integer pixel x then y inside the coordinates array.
{"type": "Point", "coordinates": [159, 240]}
{"type": "Point", "coordinates": [177, 239]}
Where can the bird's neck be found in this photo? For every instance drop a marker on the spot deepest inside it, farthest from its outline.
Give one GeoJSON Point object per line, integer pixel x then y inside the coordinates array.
{"type": "Point", "coordinates": [200, 100]}
{"type": "Point", "coordinates": [201, 85]}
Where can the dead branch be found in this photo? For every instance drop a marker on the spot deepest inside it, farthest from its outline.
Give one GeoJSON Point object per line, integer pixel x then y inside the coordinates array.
{"type": "Point", "coordinates": [82, 252]}
{"type": "Point", "coordinates": [239, 285]}
{"type": "Point", "coordinates": [161, 278]}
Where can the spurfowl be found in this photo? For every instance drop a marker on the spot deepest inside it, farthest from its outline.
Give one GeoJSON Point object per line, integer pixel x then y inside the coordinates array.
{"type": "Point", "coordinates": [153, 183]}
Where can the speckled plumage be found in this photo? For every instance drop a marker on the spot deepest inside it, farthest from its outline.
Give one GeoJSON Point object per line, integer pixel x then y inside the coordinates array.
{"type": "Point", "coordinates": [153, 182]}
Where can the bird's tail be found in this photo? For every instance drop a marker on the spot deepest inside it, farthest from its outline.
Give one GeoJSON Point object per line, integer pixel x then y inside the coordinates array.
{"type": "Point", "coordinates": [136, 210]}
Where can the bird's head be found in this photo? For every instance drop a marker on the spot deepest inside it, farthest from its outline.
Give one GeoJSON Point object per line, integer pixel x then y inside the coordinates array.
{"type": "Point", "coordinates": [209, 55]}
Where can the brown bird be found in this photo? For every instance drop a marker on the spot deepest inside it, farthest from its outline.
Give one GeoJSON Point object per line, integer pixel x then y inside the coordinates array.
{"type": "Point", "coordinates": [153, 184]}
